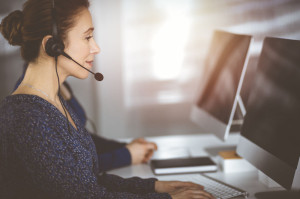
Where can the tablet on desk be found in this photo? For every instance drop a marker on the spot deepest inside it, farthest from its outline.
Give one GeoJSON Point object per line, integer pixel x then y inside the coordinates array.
{"type": "Point", "coordinates": [183, 165]}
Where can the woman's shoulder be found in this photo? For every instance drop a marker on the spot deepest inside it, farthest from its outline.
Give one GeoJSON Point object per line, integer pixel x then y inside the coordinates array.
{"type": "Point", "coordinates": [21, 98]}
{"type": "Point", "coordinates": [28, 115]}
{"type": "Point", "coordinates": [22, 102]}
{"type": "Point", "coordinates": [22, 108]}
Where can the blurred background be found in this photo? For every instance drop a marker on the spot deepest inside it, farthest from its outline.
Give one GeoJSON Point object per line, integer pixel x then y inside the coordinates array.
{"type": "Point", "coordinates": [152, 56]}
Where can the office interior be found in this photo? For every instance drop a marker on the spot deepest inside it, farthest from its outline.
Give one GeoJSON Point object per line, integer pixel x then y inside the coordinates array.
{"type": "Point", "coordinates": [152, 55]}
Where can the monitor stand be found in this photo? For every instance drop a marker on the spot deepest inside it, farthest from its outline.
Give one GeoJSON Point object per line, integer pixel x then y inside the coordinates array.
{"type": "Point", "coordinates": [229, 160]}
{"type": "Point", "coordinates": [238, 117]}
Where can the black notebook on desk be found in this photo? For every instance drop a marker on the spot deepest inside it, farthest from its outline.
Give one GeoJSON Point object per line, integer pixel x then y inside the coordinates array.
{"type": "Point", "coordinates": [183, 165]}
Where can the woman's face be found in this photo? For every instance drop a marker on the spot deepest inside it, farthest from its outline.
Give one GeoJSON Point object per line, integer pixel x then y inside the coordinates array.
{"type": "Point", "coordinates": [81, 46]}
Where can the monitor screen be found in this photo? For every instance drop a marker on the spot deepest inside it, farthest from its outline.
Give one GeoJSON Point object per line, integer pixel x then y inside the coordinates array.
{"type": "Point", "coordinates": [222, 76]}
{"type": "Point", "coordinates": [271, 128]}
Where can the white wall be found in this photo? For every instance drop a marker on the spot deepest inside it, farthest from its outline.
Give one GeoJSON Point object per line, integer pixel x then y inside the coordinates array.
{"type": "Point", "coordinates": [110, 112]}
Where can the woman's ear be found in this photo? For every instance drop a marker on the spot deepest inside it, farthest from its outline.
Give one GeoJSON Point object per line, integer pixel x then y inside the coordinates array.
{"type": "Point", "coordinates": [52, 47]}
{"type": "Point", "coordinates": [44, 41]}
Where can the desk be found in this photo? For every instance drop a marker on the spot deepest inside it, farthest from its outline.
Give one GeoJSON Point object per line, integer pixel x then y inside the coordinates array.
{"type": "Point", "coordinates": [197, 145]}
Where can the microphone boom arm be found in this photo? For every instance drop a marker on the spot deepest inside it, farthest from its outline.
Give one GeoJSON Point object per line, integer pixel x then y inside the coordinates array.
{"type": "Point", "coordinates": [97, 76]}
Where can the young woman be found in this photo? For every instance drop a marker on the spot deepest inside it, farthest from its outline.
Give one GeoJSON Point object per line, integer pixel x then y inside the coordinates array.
{"type": "Point", "coordinates": [45, 150]}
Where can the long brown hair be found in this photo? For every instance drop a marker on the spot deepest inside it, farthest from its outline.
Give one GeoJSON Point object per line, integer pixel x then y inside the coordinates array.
{"type": "Point", "coordinates": [27, 28]}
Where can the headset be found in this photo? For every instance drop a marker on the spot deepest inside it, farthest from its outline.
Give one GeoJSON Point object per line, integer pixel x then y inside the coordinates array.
{"type": "Point", "coordinates": [54, 46]}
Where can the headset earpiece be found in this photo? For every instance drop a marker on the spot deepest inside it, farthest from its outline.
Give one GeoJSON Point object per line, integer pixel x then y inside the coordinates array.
{"type": "Point", "coordinates": [54, 47]}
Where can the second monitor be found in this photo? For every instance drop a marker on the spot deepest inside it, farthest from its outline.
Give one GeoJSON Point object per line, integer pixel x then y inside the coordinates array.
{"type": "Point", "coordinates": [221, 82]}
{"type": "Point", "coordinates": [270, 136]}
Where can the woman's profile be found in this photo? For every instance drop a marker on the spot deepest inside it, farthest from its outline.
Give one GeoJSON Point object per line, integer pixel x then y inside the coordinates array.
{"type": "Point", "coordinates": [45, 150]}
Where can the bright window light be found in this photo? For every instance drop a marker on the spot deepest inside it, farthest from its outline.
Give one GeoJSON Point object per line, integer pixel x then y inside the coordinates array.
{"type": "Point", "coordinates": [168, 45]}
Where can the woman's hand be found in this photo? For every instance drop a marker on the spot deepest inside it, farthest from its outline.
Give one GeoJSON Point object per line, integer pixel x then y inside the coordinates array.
{"type": "Point", "coordinates": [141, 150]}
{"type": "Point", "coordinates": [184, 190]}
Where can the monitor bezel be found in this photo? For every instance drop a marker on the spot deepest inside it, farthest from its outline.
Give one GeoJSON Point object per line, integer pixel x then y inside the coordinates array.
{"type": "Point", "coordinates": [285, 175]}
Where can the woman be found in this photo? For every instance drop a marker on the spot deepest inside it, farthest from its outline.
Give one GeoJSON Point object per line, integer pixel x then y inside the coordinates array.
{"type": "Point", "coordinates": [45, 151]}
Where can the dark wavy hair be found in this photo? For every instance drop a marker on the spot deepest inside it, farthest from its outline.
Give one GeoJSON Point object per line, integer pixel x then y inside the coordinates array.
{"type": "Point", "coordinates": [27, 28]}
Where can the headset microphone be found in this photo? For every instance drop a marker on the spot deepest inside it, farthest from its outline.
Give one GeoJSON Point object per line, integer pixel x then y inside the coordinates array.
{"type": "Point", "coordinates": [97, 76]}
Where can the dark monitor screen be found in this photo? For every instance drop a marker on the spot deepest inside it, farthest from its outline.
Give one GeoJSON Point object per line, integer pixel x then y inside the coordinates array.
{"type": "Point", "coordinates": [272, 122]}
{"type": "Point", "coordinates": [223, 70]}
{"type": "Point", "coordinates": [222, 74]}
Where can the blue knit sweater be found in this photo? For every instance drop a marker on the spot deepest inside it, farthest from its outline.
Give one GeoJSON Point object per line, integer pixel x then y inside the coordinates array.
{"type": "Point", "coordinates": [111, 154]}
{"type": "Point", "coordinates": [40, 158]}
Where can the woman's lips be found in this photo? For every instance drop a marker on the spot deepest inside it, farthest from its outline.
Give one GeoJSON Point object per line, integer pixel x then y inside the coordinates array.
{"type": "Point", "coordinates": [90, 63]}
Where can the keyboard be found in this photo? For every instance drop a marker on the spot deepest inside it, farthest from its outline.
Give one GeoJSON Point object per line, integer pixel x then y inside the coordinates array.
{"type": "Point", "coordinates": [218, 189]}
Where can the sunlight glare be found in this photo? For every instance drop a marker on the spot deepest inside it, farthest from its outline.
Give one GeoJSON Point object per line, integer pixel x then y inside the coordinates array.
{"type": "Point", "coordinates": [168, 47]}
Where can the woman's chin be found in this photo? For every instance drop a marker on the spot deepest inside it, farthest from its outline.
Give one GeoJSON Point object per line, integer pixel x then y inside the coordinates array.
{"type": "Point", "coordinates": [81, 76]}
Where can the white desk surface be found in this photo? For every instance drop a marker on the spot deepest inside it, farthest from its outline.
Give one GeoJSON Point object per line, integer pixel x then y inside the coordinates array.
{"type": "Point", "coordinates": [197, 145]}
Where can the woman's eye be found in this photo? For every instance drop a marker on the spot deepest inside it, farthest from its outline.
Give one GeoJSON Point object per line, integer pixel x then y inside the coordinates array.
{"type": "Point", "coordinates": [88, 37]}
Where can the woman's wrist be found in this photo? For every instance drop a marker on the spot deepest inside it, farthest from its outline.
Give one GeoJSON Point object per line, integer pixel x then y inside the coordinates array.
{"type": "Point", "coordinates": [158, 186]}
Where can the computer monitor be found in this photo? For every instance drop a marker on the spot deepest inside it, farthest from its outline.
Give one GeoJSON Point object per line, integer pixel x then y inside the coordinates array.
{"type": "Point", "coordinates": [270, 135]}
{"type": "Point", "coordinates": [221, 82]}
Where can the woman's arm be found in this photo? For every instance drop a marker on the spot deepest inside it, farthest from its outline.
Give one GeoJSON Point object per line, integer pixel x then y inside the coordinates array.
{"type": "Point", "coordinates": [114, 159]}
{"type": "Point", "coordinates": [104, 145]}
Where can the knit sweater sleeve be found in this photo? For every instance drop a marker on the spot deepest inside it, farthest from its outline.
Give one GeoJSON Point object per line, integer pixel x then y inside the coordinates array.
{"type": "Point", "coordinates": [114, 159]}
{"type": "Point", "coordinates": [104, 145]}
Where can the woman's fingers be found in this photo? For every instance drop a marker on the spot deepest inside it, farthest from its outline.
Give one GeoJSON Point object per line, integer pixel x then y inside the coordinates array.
{"type": "Point", "coordinates": [190, 193]}
{"type": "Point", "coordinates": [188, 184]}
{"type": "Point", "coordinates": [201, 194]}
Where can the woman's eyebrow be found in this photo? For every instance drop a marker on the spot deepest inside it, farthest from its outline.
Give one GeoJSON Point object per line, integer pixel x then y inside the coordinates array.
{"type": "Point", "coordinates": [90, 29]}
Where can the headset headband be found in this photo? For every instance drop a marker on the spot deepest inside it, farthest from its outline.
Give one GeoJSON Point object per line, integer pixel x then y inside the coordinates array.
{"type": "Point", "coordinates": [54, 25]}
